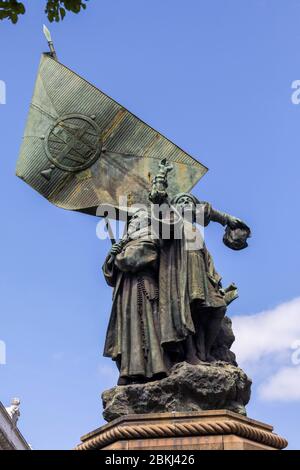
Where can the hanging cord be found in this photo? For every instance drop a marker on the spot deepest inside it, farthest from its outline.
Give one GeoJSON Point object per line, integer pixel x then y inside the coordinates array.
{"type": "Point", "coordinates": [142, 292]}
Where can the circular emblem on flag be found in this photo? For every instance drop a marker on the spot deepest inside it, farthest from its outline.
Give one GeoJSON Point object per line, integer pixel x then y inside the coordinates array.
{"type": "Point", "coordinates": [73, 143]}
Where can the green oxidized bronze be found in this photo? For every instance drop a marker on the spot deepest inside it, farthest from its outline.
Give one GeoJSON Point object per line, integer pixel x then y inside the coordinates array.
{"type": "Point", "coordinates": [81, 148]}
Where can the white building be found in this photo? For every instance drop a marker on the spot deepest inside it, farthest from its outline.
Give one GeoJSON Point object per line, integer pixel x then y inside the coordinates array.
{"type": "Point", "coordinates": [10, 436]}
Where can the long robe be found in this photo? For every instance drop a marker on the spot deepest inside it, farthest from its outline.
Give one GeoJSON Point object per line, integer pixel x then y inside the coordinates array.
{"type": "Point", "coordinates": [133, 335]}
{"type": "Point", "coordinates": [185, 274]}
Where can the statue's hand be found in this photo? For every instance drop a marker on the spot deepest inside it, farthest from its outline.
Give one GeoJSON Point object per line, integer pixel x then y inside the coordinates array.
{"type": "Point", "coordinates": [116, 249]}
{"type": "Point", "coordinates": [234, 222]}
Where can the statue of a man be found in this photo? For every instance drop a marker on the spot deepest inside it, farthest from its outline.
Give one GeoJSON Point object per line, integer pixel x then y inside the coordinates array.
{"type": "Point", "coordinates": [187, 272]}
{"type": "Point", "coordinates": [168, 302]}
{"type": "Point", "coordinates": [133, 338]}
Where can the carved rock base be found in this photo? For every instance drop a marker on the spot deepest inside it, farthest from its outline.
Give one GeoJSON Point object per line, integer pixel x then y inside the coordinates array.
{"type": "Point", "coordinates": [206, 430]}
{"type": "Point", "coordinates": [208, 386]}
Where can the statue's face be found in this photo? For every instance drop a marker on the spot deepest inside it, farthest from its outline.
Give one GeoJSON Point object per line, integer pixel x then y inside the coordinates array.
{"type": "Point", "coordinates": [138, 221]}
{"type": "Point", "coordinates": [186, 205]}
{"type": "Point", "coordinates": [186, 202]}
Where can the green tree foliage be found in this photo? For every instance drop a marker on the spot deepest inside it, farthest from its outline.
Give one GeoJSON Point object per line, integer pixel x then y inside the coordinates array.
{"type": "Point", "coordinates": [54, 9]}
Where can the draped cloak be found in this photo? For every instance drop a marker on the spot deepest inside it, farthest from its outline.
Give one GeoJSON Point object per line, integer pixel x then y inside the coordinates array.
{"type": "Point", "coordinates": [186, 273]}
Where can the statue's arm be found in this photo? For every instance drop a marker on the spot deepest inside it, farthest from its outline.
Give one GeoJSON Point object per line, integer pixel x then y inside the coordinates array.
{"type": "Point", "coordinates": [236, 232]}
{"type": "Point", "coordinates": [109, 271]}
{"type": "Point", "coordinates": [158, 193]}
{"type": "Point", "coordinates": [109, 267]}
{"type": "Point", "coordinates": [225, 219]}
{"type": "Point", "coordinates": [218, 216]}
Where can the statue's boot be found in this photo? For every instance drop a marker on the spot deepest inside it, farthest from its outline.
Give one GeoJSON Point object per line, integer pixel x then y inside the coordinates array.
{"type": "Point", "coordinates": [123, 381]}
{"type": "Point", "coordinates": [134, 379]}
{"type": "Point", "coordinates": [200, 343]}
{"type": "Point", "coordinates": [210, 358]}
{"type": "Point", "coordinates": [213, 327]}
{"type": "Point", "coordinates": [200, 317]}
{"type": "Point", "coordinates": [191, 352]}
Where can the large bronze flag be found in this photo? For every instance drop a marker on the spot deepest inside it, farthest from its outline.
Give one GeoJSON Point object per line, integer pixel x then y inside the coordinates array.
{"type": "Point", "coordinates": [82, 149]}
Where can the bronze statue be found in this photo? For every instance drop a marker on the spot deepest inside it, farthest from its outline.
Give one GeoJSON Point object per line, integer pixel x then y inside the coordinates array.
{"type": "Point", "coordinates": [199, 283]}
{"type": "Point", "coordinates": [168, 303]}
{"type": "Point", "coordinates": [133, 333]}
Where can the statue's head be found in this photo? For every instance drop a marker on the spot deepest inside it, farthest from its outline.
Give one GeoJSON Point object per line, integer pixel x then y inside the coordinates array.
{"type": "Point", "coordinates": [186, 204]}
{"type": "Point", "coordinates": [184, 200]}
{"type": "Point", "coordinates": [15, 402]}
{"type": "Point", "coordinates": [139, 220]}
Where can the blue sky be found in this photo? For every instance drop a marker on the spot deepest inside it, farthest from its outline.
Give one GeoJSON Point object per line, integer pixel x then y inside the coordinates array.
{"type": "Point", "coordinates": [215, 77]}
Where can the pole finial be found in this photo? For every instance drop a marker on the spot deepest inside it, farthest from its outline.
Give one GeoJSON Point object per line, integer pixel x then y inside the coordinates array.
{"type": "Point", "coordinates": [50, 42]}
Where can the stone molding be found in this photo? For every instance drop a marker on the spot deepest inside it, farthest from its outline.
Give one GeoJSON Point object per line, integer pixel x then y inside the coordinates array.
{"type": "Point", "coordinates": [194, 424]}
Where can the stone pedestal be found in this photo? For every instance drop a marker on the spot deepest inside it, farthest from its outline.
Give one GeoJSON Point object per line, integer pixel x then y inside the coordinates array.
{"type": "Point", "coordinates": [204, 430]}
